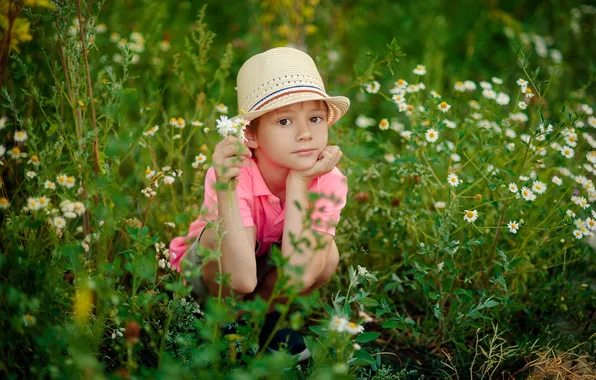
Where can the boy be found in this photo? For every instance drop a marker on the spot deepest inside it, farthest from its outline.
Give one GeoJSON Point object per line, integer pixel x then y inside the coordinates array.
{"type": "Point", "coordinates": [285, 156]}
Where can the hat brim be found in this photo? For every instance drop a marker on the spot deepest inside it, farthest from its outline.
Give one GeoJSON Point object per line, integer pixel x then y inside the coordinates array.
{"type": "Point", "coordinates": [338, 106]}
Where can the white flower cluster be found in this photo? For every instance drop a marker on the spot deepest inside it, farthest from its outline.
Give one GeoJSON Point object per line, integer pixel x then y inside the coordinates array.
{"type": "Point", "coordinates": [66, 181]}
{"type": "Point", "coordinates": [151, 131]}
{"type": "Point", "coordinates": [72, 209]}
{"type": "Point", "coordinates": [148, 192]}
{"type": "Point", "coordinates": [162, 255]}
{"type": "Point", "coordinates": [232, 127]}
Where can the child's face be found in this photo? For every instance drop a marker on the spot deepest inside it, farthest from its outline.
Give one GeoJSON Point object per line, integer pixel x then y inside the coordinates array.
{"type": "Point", "coordinates": [286, 131]}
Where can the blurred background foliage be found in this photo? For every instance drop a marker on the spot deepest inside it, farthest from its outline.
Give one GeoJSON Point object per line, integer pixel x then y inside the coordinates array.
{"type": "Point", "coordinates": [183, 64]}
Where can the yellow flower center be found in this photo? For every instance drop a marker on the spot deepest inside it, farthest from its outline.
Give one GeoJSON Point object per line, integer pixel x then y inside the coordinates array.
{"type": "Point", "coordinates": [443, 105]}
{"type": "Point", "coordinates": [16, 151]}
{"type": "Point", "coordinates": [70, 179]}
{"type": "Point", "coordinates": [353, 325]}
{"type": "Point", "coordinates": [400, 82]}
{"type": "Point", "coordinates": [3, 201]}
{"type": "Point", "coordinates": [34, 158]}
{"type": "Point", "coordinates": [470, 214]}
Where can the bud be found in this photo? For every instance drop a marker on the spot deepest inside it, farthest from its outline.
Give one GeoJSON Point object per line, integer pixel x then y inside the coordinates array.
{"type": "Point", "coordinates": [132, 332]}
{"type": "Point", "coordinates": [478, 197]}
{"type": "Point", "coordinates": [362, 196]}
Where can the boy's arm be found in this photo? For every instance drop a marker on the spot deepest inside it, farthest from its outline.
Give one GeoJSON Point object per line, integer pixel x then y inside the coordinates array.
{"type": "Point", "coordinates": [313, 261]}
{"type": "Point", "coordinates": [237, 248]}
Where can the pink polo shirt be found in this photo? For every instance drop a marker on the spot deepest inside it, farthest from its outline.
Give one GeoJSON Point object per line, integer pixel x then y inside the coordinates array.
{"type": "Point", "coordinates": [260, 208]}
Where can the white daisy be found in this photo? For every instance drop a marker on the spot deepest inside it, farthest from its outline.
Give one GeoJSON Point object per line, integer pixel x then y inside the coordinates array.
{"type": "Point", "coordinates": [384, 125]}
{"type": "Point", "coordinates": [522, 105]}
{"type": "Point", "coordinates": [453, 180]}
{"type": "Point", "coordinates": [470, 216]}
{"type": "Point", "coordinates": [201, 158]}
{"type": "Point", "coordinates": [528, 194]}
{"type": "Point", "coordinates": [578, 234]}
{"type": "Point", "coordinates": [513, 226]}
{"type": "Point", "coordinates": [567, 151]}
{"type": "Point", "coordinates": [59, 222]}
{"type": "Point", "coordinates": [513, 188]}
{"type": "Point", "coordinates": [420, 70]}
{"type": "Point", "coordinates": [443, 107]}
{"type": "Point", "coordinates": [431, 135]}
{"type": "Point", "coordinates": [20, 136]}
{"type": "Point", "coordinates": [373, 87]}
{"type": "Point", "coordinates": [503, 99]}
{"type": "Point", "coordinates": [538, 187]}
{"type": "Point", "coordinates": [221, 108]}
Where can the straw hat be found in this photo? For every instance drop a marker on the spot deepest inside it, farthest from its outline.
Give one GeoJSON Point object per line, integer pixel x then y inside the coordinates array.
{"type": "Point", "coordinates": [280, 77]}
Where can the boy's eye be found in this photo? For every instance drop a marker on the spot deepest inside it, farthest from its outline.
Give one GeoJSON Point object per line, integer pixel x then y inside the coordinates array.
{"type": "Point", "coordinates": [284, 122]}
{"type": "Point", "coordinates": [316, 117]}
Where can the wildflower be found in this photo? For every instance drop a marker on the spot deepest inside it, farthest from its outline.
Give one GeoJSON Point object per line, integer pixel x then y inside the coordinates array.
{"type": "Point", "coordinates": [168, 180]}
{"type": "Point", "coordinates": [528, 93]}
{"type": "Point", "coordinates": [353, 328]}
{"type": "Point", "coordinates": [61, 179]}
{"type": "Point", "coordinates": [20, 136]}
{"type": "Point", "coordinates": [338, 324]}
{"type": "Point", "coordinates": [444, 107]}
{"type": "Point", "coordinates": [592, 121]}
{"type": "Point", "coordinates": [384, 125]}
{"type": "Point", "coordinates": [165, 45]}
{"type": "Point", "coordinates": [221, 108]}
{"type": "Point", "coordinates": [459, 86]}
{"type": "Point", "coordinates": [79, 208]}
{"type": "Point", "coordinates": [31, 174]}
{"type": "Point", "coordinates": [3, 120]}
{"type": "Point", "coordinates": [522, 83]}
{"type": "Point", "coordinates": [513, 188]}
{"type": "Point", "coordinates": [591, 223]}
{"type": "Point", "coordinates": [510, 147]}
{"type": "Point", "coordinates": [402, 84]}
{"type": "Point", "coordinates": [420, 70]}
{"type": "Point", "coordinates": [435, 94]}
{"type": "Point", "coordinates": [567, 151]}
{"type": "Point", "coordinates": [151, 131]}
{"type": "Point", "coordinates": [59, 222]}
{"type": "Point", "coordinates": [170, 224]}
{"type": "Point", "coordinates": [470, 85]}
{"type": "Point", "coordinates": [201, 158]}
{"type": "Point", "coordinates": [356, 347]}
{"type": "Point", "coordinates": [578, 234]}
{"type": "Point", "coordinates": [373, 87]}
{"type": "Point", "coordinates": [162, 263]}
{"type": "Point", "coordinates": [455, 157]}
{"type": "Point", "coordinates": [538, 187]}
{"type": "Point", "coordinates": [4, 203]}
{"type": "Point", "coordinates": [149, 173]}
{"type": "Point", "coordinates": [401, 107]}
{"type": "Point", "coordinates": [34, 160]}
{"type": "Point", "coordinates": [497, 80]}
{"type": "Point", "coordinates": [389, 158]}
{"type": "Point", "coordinates": [412, 88]}
{"type": "Point", "coordinates": [474, 104]}
{"type": "Point", "coordinates": [453, 180]}
{"type": "Point", "coordinates": [196, 123]}
{"type": "Point", "coordinates": [489, 93]}
{"type": "Point", "coordinates": [2, 150]}
{"type": "Point", "coordinates": [440, 204]}
{"type": "Point", "coordinates": [15, 153]}
{"type": "Point", "coordinates": [470, 216]}
{"type": "Point", "coordinates": [43, 202]}
{"type": "Point", "coordinates": [570, 213]}
{"type": "Point", "coordinates": [398, 99]}
{"type": "Point", "coordinates": [522, 105]}
{"type": "Point", "coordinates": [513, 226]}
{"type": "Point", "coordinates": [528, 194]}
{"type": "Point", "coordinates": [503, 99]}
{"type": "Point", "coordinates": [32, 204]}
{"type": "Point", "coordinates": [70, 182]}
{"type": "Point", "coordinates": [431, 135]}
{"type": "Point", "coordinates": [583, 203]}
{"type": "Point", "coordinates": [49, 185]}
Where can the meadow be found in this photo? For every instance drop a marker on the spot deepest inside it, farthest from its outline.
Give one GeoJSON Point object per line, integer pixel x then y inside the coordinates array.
{"type": "Point", "coordinates": [467, 245]}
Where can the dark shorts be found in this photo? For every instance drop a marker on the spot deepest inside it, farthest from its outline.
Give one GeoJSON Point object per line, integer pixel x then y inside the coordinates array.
{"type": "Point", "coordinates": [192, 259]}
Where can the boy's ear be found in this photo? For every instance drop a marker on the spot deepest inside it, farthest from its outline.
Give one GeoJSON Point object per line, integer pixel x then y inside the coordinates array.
{"type": "Point", "coordinates": [252, 140]}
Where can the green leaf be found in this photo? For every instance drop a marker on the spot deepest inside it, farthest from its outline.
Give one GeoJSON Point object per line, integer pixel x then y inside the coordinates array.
{"type": "Point", "coordinates": [362, 358]}
{"type": "Point", "coordinates": [367, 337]}
{"type": "Point", "coordinates": [368, 302]}
{"type": "Point", "coordinates": [490, 303]}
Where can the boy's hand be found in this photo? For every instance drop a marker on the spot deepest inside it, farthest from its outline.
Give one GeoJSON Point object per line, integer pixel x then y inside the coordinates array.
{"type": "Point", "coordinates": [228, 157]}
{"type": "Point", "coordinates": [327, 160]}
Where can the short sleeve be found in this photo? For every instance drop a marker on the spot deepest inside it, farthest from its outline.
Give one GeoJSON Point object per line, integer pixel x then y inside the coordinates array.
{"type": "Point", "coordinates": [209, 213]}
{"type": "Point", "coordinates": [333, 190]}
